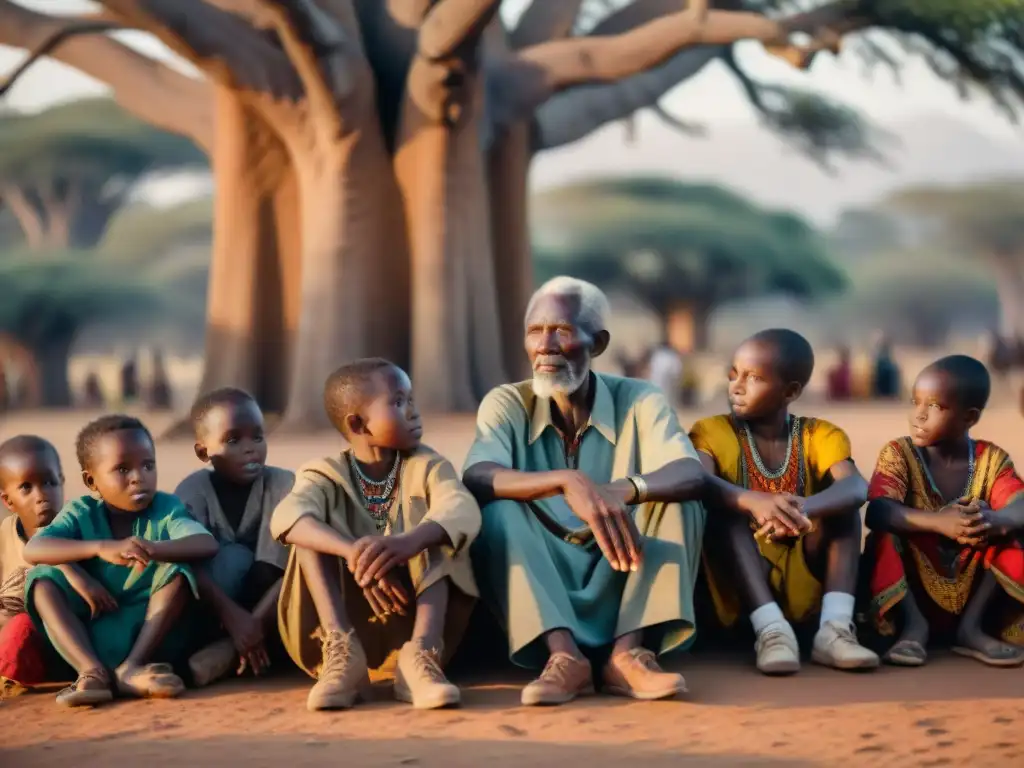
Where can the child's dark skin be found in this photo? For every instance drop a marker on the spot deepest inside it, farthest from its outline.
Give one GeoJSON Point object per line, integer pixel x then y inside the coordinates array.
{"type": "Point", "coordinates": [387, 422]}
{"type": "Point", "coordinates": [939, 428]}
{"type": "Point", "coordinates": [761, 396]}
{"type": "Point", "coordinates": [122, 471]}
{"type": "Point", "coordinates": [231, 438]}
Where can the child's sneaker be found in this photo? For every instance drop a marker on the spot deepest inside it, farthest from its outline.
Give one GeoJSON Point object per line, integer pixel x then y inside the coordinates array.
{"type": "Point", "coordinates": [420, 681]}
{"type": "Point", "coordinates": [343, 673]}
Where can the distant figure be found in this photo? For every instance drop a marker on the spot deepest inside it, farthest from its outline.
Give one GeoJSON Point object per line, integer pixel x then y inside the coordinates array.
{"type": "Point", "coordinates": [631, 369]}
{"type": "Point", "coordinates": [4, 393]}
{"type": "Point", "coordinates": [886, 377]}
{"type": "Point", "coordinates": [1002, 354]}
{"type": "Point", "coordinates": [92, 396]}
{"type": "Point", "coordinates": [130, 380]}
{"type": "Point", "coordinates": [160, 386]}
{"type": "Point", "coordinates": [665, 371]}
{"type": "Point", "coordinates": [840, 377]}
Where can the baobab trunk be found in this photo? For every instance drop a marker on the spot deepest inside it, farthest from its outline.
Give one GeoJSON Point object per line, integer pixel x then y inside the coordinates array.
{"type": "Point", "coordinates": [508, 174]}
{"type": "Point", "coordinates": [254, 263]}
{"type": "Point", "coordinates": [345, 255]}
{"type": "Point", "coordinates": [456, 343]}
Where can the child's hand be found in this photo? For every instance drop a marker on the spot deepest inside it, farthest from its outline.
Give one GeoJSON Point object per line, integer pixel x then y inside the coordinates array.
{"type": "Point", "coordinates": [246, 633]}
{"type": "Point", "coordinates": [387, 596]}
{"type": "Point", "coordinates": [777, 515]}
{"type": "Point", "coordinates": [132, 551]}
{"type": "Point", "coordinates": [374, 556]}
{"type": "Point", "coordinates": [965, 524]}
{"type": "Point", "coordinates": [91, 591]}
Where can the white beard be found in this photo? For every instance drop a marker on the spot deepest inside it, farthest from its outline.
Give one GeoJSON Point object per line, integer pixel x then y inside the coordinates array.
{"type": "Point", "coordinates": [563, 382]}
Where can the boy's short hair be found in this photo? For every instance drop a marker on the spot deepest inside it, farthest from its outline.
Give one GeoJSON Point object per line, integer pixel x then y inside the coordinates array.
{"type": "Point", "coordinates": [105, 425]}
{"type": "Point", "coordinates": [25, 445]}
{"type": "Point", "coordinates": [224, 396]}
{"type": "Point", "coordinates": [347, 388]}
{"type": "Point", "coordinates": [972, 384]}
{"type": "Point", "coordinates": [794, 356]}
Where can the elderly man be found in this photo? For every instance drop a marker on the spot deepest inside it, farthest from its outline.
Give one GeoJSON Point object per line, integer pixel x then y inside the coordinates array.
{"type": "Point", "coordinates": [586, 543]}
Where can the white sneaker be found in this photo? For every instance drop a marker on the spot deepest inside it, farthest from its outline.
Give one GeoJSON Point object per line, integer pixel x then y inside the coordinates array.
{"type": "Point", "coordinates": [836, 646]}
{"type": "Point", "coordinates": [778, 652]}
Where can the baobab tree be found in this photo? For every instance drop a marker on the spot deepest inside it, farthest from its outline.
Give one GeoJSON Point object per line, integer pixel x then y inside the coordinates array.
{"type": "Point", "coordinates": [371, 156]}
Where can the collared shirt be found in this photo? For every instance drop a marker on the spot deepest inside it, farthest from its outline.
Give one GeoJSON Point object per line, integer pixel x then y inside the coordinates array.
{"type": "Point", "coordinates": [632, 430]}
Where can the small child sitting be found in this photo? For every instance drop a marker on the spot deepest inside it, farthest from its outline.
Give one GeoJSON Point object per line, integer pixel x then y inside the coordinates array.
{"type": "Point", "coordinates": [32, 488]}
{"type": "Point", "coordinates": [234, 500]}
{"type": "Point", "coordinates": [380, 557]}
{"type": "Point", "coordinates": [134, 541]}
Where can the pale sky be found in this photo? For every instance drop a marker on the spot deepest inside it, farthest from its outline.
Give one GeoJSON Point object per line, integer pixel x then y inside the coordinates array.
{"type": "Point", "coordinates": [710, 97]}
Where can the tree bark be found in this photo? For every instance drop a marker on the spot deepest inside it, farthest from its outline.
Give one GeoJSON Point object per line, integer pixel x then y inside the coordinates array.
{"type": "Point", "coordinates": [456, 343]}
{"type": "Point", "coordinates": [28, 215]}
{"type": "Point", "coordinates": [252, 296]}
{"type": "Point", "coordinates": [509, 161]}
{"type": "Point", "coordinates": [687, 325]}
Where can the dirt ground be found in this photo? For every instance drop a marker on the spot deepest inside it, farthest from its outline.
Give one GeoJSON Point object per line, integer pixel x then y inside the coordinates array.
{"type": "Point", "coordinates": [950, 712]}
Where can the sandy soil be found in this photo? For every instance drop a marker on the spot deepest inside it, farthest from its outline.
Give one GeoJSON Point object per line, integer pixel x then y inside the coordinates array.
{"type": "Point", "coordinates": [950, 712]}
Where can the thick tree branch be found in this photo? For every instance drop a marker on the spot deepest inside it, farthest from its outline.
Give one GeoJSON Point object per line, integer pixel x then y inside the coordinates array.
{"type": "Point", "coordinates": [319, 51]}
{"type": "Point", "coordinates": [229, 49]}
{"type": "Point", "coordinates": [545, 20]}
{"type": "Point", "coordinates": [27, 214]}
{"type": "Point", "coordinates": [151, 91]}
{"type": "Point", "coordinates": [452, 24]}
{"type": "Point", "coordinates": [54, 41]}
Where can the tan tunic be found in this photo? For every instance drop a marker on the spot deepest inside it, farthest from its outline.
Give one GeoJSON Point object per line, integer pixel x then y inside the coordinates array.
{"type": "Point", "coordinates": [12, 567]}
{"type": "Point", "coordinates": [429, 490]}
{"type": "Point", "coordinates": [268, 490]}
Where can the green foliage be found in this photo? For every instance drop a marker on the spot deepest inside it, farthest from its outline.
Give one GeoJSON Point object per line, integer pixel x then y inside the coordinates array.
{"type": "Point", "coordinates": [669, 242]}
{"type": "Point", "coordinates": [53, 295]}
{"type": "Point", "coordinates": [93, 139]}
{"type": "Point", "coordinates": [143, 234]}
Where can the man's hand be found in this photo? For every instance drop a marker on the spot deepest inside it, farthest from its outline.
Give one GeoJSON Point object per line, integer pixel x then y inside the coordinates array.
{"type": "Point", "coordinates": [778, 515]}
{"type": "Point", "coordinates": [387, 596]}
{"type": "Point", "coordinates": [246, 633]}
{"type": "Point", "coordinates": [132, 551]}
{"type": "Point", "coordinates": [91, 591]}
{"type": "Point", "coordinates": [613, 527]}
{"type": "Point", "coordinates": [374, 556]}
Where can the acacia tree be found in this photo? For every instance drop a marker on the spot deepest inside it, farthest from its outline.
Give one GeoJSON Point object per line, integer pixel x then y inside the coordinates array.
{"type": "Point", "coordinates": [985, 222]}
{"type": "Point", "coordinates": [682, 249]}
{"type": "Point", "coordinates": [50, 298]}
{"type": "Point", "coordinates": [65, 171]}
{"type": "Point", "coordinates": [371, 156]}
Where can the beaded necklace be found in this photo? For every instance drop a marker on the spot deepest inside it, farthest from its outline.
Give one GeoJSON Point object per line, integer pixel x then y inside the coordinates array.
{"type": "Point", "coordinates": [378, 496]}
{"type": "Point", "coordinates": [788, 478]}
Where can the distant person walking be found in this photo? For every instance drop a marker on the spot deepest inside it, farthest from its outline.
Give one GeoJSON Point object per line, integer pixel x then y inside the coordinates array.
{"type": "Point", "coordinates": [665, 371]}
{"type": "Point", "coordinates": [130, 380]}
{"type": "Point", "coordinates": [886, 378]}
{"type": "Point", "coordinates": [160, 394]}
{"type": "Point", "coordinates": [840, 377]}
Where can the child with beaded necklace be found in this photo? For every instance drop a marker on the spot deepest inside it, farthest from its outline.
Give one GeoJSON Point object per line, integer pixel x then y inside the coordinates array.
{"type": "Point", "coordinates": [788, 525]}
{"type": "Point", "coordinates": [379, 560]}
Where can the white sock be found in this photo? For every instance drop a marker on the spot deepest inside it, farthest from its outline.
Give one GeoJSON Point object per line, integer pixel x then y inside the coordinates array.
{"type": "Point", "coordinates": [767, 615]}
{"type": "Point", "coordinates": [837, 607]}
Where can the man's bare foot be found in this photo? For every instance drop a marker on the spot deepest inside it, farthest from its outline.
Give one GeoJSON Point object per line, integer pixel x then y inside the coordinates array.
{"type": "Point", "coordinates": [149, 681]}
{"type": "Point", "coordinates": [975, 644]}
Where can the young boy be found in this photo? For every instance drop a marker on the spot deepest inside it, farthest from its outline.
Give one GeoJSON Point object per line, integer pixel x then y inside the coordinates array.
{"type": "Point", "coordinates": [947, 515]}
{"type": "Point", "coordinates": [788, 527]}
{"type": "Point", "coordinates": [234, 501]}
{"type": "Point", "coordinates": [135, 542]}
{"type": "Point", "coordinates": [32, 488]}
{"type": "Point", "coordinates": [380, 549]}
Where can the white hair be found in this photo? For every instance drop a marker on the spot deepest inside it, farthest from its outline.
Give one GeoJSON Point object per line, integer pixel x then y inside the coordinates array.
{"type": "Point", "coordinates": [594, 309]}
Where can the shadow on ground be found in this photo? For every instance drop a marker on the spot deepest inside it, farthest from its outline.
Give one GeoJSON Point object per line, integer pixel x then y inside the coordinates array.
{"type": "Point", "coordinates": [299, 752]}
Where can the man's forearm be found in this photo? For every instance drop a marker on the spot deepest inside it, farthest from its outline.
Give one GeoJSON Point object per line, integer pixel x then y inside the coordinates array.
{"type": "Point", "coordinates": [310, 533]}
{"type": "Point", "coordinates": [678, 481]}
{"type": "Point", "coordinates": [492, 482]}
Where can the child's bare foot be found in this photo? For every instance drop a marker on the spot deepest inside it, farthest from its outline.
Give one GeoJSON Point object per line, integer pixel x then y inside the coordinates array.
{"type": "Point", "coordinates": [91, 689]}
{"type": "Point", "coordinates": [975, 644]}
{"type": "Point", "coordinates": [911, 650]}
{"type": "Point", "coordinates": [149, 681]}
